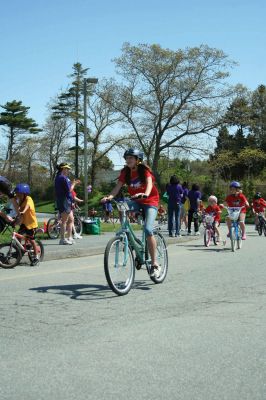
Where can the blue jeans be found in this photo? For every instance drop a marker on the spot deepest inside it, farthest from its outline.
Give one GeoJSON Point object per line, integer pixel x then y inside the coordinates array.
{"type": "Point", "coordinates": [150, 215]}
{"type": "Point", "coordinates": [174, 213]}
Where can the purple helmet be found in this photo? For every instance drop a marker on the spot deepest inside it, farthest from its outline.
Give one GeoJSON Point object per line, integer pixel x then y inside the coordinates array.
{"type": "Point", "coordinates": [22, 188]}
{"type": "Point", "coordinates": [235, 184]}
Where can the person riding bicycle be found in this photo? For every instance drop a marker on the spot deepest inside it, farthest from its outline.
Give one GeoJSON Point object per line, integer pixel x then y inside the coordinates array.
{"type": "Point", "coordinates": [161, 213]}
{"type": "Point", "coordinates": [141, 187]}
{"type": "Point", "coordinates": [214, 210]}
{"type": "Point", "coordinates": [6, 189]}
{"type": "Point", "coordinates": [28, 216]}
{"type": "Point", "coordinates": [258, 206]}
{"type": "Point", "coordinates": [237, 199]}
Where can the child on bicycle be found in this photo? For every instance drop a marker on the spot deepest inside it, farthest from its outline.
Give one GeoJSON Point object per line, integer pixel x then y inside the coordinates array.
{"type": "Point", "coordinates": [140, 181]}
{"type": "Point", "coordinates": [28, 217]}
{"type": "Point", "coordinates": [214, 210]}
{"type": "Point", "coordinates": [6, 190]}
{"type": "Point", "coordinates": [237, 199]}
{"type": "Point", "coordinates": [161, 213]}
{"type": "Point", "coordinates": [258, 206]}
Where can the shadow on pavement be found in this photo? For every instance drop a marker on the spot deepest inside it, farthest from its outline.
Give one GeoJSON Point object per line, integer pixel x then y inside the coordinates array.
{"type": "Point", "coordinates": [87, 292]}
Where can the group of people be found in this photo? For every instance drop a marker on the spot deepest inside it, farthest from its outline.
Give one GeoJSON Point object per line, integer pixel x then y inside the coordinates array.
{"type": "Point", "coordinates": [183, 204]}
{"type": "Point", "coordinates": [179, 195]}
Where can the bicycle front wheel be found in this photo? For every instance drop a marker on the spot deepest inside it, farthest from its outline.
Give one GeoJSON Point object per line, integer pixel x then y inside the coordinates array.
{"type": "Point", "coordinates": [119, 265]}
{"type": "Point", "coordinates": [233, 238]}
{"type": "Point", "coordinates": [207, 237]}
{"type": "Point", "coordinates": [53, 228]}
{"type": "Point", "coordinates": [161, 258]}
{"type": "Point", "coordinates": [10, 255]}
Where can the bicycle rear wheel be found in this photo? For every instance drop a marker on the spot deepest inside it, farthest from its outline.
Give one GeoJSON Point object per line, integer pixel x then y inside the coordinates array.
{"type": "Point", "coordinates": [207, 237]}
{"type": "Point", "coordinates": [119, 265]}
{"type": "Point", "coordinates": [10, 255]}
{"type": "Point", "coordinates": [161, 258]}
{"type": "Point", "coordinates": [78, 225]}
{"type": "Point", "coordinates": [53, 228]}
{"type": "Point", "coordinates": [40, 250]}
{"type": "Point", "coordinates": [233, 238]}
{"type": "Point", "coordinates": [239, 238]}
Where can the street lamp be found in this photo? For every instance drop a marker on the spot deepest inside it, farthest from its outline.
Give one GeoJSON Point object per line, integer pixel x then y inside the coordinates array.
{"type": "Point", "coordinates": [85, 82]}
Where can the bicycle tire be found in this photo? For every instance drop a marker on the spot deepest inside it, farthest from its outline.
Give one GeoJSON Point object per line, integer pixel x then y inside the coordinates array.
{"type": "Point", "coordinates": [233, 239]}
{"type": "Point", "coordinates": [161, 257]}
{"type": "Point", "coordinates": [10, 255]}
{"type": "Point", "coordinates": [119, 267]}
{"type": "Point", "coordinates": [40, 249]}
{"type": "Point", "coordinates": [239, 238]}
{"type": "Point", "coordinates": [53, 228]}
{"type": "Point", "coordinates": [78, 225]}
{"type": "Point", "coordinates": [207, 237]}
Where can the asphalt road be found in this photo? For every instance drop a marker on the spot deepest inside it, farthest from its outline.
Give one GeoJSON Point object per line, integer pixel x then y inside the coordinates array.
{"type": "Point", "coordinates": [198, 336]}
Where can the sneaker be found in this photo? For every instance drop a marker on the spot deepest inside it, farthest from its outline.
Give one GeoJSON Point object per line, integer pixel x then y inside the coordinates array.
{"type": "Point", "coordinates": [71, 240]}
{"type": "Point", "coordinates": [77, 236]}
{"type": "Point", "coordinates": [189, 233]}
{"type": "Point", "coordinates": [65, 241]}
{"type": "Point", "coordinates": [155, 271]}
{"type": "Point", "coordinates": [197, 233]}
{"type": "Point", "coordinates": [171, 235]}
{"type": "Point", "coordinates": [177, 235]}
{"type": "Point", "coordinates": [244, 237]}
{"type": "Point", "coordinates": [35, 262]}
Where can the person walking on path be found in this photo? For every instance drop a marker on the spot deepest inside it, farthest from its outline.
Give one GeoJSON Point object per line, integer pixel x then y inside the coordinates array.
{"type": "Point", "coordinates": [184, 206]}
{"type": "Point", "coordinates": [194, 196]}
{"type": "Point", "coordinates": [64, 201]}
{"type": "Point", "coordinates": [175, 195]}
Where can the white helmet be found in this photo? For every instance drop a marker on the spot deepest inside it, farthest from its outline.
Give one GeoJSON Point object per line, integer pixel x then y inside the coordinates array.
{"type": "Point", "coordinates": [212, 198]}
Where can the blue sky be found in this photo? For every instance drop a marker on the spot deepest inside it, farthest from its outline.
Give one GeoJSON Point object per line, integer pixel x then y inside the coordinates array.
{"type": "Point", "coordinates": [41, 39]}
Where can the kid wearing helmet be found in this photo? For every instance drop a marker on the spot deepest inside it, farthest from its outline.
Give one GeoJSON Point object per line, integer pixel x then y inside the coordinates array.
{"type": "Point", "coordinates": [140, 182]}
{"type": "Point", "coordinates": [214, 210]}
{"type": "Point", "coordinates": [28, 216]}
{"type": "Point", "coordinates": [237, 199]}
{"type": "Point", "coordinates": [258, 206]}
{"type": "Point", "coordinates": [6, 190]}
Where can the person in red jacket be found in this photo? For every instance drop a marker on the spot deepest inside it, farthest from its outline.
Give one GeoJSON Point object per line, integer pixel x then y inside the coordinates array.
{"type": "Point", "coordinates": [214, 210]}
{"type": "Point", "coordinates": [237, 199]}
{"type": "Point", "coordinates": [258, 206]}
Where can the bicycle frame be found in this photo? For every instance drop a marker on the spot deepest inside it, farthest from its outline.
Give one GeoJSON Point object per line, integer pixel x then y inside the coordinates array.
{"type": "Point", "coordinates": [130, 238]}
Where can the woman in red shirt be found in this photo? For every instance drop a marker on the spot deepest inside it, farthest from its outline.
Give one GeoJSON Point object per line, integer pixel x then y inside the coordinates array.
{"type": "Point", "coordinates": [237, 199]}
{"type": "Point", "coordinates": [140, 182]}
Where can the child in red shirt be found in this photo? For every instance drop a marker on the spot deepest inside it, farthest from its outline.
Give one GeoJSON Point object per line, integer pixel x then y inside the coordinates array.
{"type": "Point", "coordinates": [214, 210]}
{"type": "Point", "coordinates": [237, 199]}
{"type": "Point", "coordinates": [258, 206]}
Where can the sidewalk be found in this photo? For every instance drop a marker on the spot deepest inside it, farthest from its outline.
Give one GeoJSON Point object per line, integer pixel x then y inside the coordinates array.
{"type": "Point", "coordinates": [90, 245]}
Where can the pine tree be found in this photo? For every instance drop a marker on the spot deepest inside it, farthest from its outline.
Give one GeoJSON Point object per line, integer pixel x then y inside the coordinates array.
{"type": "Point", "coordinates": [15, 118]}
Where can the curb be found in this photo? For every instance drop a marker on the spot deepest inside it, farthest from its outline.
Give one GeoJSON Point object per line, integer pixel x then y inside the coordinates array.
{"type": "Point", "coordinates": [76, 251]}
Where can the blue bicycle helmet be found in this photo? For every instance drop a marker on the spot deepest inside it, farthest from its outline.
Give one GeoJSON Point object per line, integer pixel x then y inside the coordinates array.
{"type": "Point", "coordinates": [134, 152]}
{"type": "Point", "coordinates": [235, 184]}
{"type": "Point", "coordinates": [22, 188]}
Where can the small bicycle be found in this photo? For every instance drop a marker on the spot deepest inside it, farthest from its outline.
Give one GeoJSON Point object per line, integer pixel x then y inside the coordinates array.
{"type": "Point", "coordinates": [54, 224]}
{"type": "Point", "coordinates": [261, 226]}
{"type": "Point", "coordinates": [125, 253]}
{"type": "Point", "coordinates": [235, 232]}
{"type": "Point", "coordinates": [12, 252]}
{"type": "Point", "coordinates": [209, 230]}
